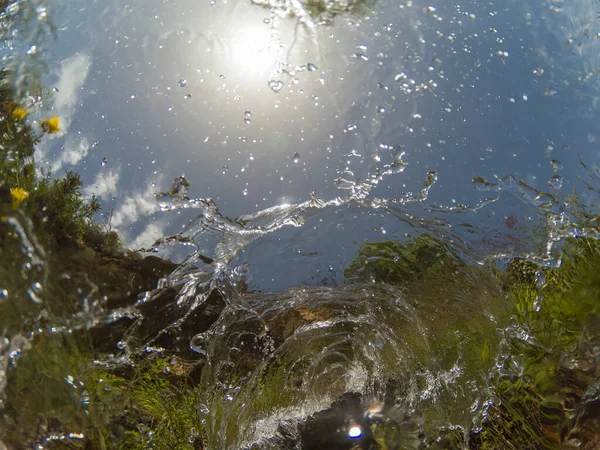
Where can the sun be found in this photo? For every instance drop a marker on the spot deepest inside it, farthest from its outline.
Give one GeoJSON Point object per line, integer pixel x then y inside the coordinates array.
{"type": "Point", "coordinates": [255, 50]}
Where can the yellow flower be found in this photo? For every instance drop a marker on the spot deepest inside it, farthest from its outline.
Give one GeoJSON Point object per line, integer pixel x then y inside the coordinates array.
{"type": "Point", "coordinates": [51, 125]}
{"type": "Point", "coordinates": [18, 195]}
{"type": "Point", "coordinates": [17, 112]}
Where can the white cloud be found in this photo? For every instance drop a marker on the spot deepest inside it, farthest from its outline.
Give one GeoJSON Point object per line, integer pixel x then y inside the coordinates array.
{"type": "Point", "coordinates": [72, 153]}
{"type": "Point", "coordinates": [73, 73]}
{"type": "Point", "coordinates": [135, 207]}
{"type": "Point", "coordinates": [71, 78]}
{"type": "Point", "coordinates": [149, 236]}
{"type": "Point", "coordinates": [104, 185]}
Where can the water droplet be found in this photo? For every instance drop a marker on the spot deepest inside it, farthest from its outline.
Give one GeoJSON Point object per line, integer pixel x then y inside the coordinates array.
{"type": "Point", "coordinates": [311, 67]}
{"type": "Point", "coordinates": [187, 96]}
{"type": "Point", "coordinates": [296, 158]}
{"type": "Point", "coordinates": [251, 157]}
{"type": "Point", "coordinates": [267, 20]}
{"type": "Point", "coordinates": [380, 109]}
{"type": "Point", "coordinates": [32, 50]}
{"type": "Point", "coordinates": [275, 86]}
{"type": "Point", "coordinates": [54, 89]}
{"type": "Point", "coordinates": [183, 83]}
{"type": "Point", "coordinates": [247, 120]}
{"type": "Point", "coordinates": [556, 181]}
{"type": "Point", "coordinates": [540, 279]}
{"type": "Point", "coordinates": [193, 435]}
{"type": "Point", "coordinates": [401, 76]}
{"type": "Point", "coordinates": [95, 144]}
{"type": "Point", "coordinates": [198, 343]}
{"type": "Point", "coordinates": [556, 165]}
{"type": "Point", "coordinates": [245, 192]}
{"type": "Point", "coordinates": [224, 170]}
{"type": "Point", "coordinates": [104, 161]}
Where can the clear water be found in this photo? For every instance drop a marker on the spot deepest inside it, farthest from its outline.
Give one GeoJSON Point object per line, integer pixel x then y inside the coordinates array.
{"type": "Point", "coordinates": [259, 146]}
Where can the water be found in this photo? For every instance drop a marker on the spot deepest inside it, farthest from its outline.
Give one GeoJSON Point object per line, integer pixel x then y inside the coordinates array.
{"type": "Point", "coordinates": [286, 159]}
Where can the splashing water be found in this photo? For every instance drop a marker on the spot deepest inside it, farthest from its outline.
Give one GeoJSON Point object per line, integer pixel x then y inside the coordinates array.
{"type": "Point", "coordinates": [325, 321]}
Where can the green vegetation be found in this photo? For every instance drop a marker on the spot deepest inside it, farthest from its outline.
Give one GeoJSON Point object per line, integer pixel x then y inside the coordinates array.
{"type": "Point", "coordinates": [553, 397]}
{"type": "Point", "coordinates": [395, 263]}
{"type": "Point", "coordinates": [546, 326]}
{"type": "Point", "coordinates": [56, 205]}
{"type": "Point", "coordinates": [53, 256]}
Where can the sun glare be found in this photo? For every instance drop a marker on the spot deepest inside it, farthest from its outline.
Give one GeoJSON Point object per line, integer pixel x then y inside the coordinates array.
{"type": "Point", "coordinates": [254, 50]}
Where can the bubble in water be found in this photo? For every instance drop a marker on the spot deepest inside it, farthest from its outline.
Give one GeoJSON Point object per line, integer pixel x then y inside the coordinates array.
{"type": "Point", "coordinates": [183, 82]}
{"type": "Point", "coordinates": [95, 144]}
{"type": "Point", "coordinates": [104, 161]}
{"type": "Point", "coordinates": [311, 67]}
{"type": "Point", "coordinates": [198, 343]}
{"type": "Point", "coordinates": [380, 109]}
{"type": "Point", "coordinates": [556, 165]}
{"type": "Point", "coordinates": [203, 409]}
{"type": "Point", "coordinates": [296, 158]}
{"type": "Point", "coordinates": [400, 77]}
{"type": "Point", "coordinates": [267, 21]}
{"type": "Point", "coordinates": [224, 170]}
{"type": "Point", "coordinates": [275, 86]}
{"type": "Point", "coordinates": [187, 96]}
{"type": "Point", "coordinates": [556, 181]}
{"type": "Point", "coordinates": [540, 279]}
